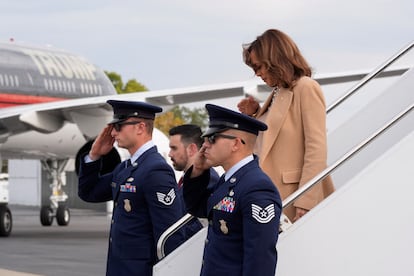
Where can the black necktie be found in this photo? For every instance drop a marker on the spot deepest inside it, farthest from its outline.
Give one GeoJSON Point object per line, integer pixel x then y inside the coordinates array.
{"type": "Point", "coordinates": [128, 163]}
{"type": "Point", "coordinates": [221, 180]}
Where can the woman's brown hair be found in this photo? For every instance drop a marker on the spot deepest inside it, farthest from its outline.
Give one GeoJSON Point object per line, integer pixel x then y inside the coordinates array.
{"type": "Point", "coordinates": [280, 55]}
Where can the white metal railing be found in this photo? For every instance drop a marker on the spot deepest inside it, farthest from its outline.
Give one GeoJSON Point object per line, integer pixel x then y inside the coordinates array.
{"type": "Point", "coordinates": [292, 197]}
{"type": "Point", "coordinates": [370, 76]}
{"type": "Point", "coordinates": [169, 232]}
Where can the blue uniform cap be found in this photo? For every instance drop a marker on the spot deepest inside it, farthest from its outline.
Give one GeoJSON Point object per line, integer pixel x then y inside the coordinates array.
{"type": "Point", "coordinates": [126, 109]}
{"type": "Point", "coordinates": [222, 119]}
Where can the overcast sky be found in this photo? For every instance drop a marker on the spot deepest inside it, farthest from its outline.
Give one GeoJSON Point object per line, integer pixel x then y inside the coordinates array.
{"type": "Point", "coordinates": [171, 43]}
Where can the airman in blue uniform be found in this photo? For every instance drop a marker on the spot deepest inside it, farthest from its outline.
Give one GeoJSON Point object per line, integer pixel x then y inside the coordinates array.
{"type": "Point", "coordinates": [143, 189]}
{"type": "Point", "coordinates": [244, 206]}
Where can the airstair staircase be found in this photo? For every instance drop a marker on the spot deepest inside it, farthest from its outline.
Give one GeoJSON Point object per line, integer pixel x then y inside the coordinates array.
{"type": "Point", "coordinates": [366, 226]}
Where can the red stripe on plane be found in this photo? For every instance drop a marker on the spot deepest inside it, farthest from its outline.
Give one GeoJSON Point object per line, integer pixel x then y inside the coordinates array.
{"type": "Point", "coordinates": [8, 100]}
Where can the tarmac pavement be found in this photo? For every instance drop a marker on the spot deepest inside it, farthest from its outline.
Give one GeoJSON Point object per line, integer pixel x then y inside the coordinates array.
{"type": "Point", "coordinates": [78, 249]}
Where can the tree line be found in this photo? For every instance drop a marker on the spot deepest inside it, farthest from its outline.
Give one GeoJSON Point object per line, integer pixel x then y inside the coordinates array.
{"type": "Point", "coordinates": [175, 116]}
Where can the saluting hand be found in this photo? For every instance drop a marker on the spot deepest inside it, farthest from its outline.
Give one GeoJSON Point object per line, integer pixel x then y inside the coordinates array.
{"type": "Point", "coordinates": [200, 163]}
{"type": "Point", "coordinates": [248, 106]}
{"type": "Point", "coordinates": [102, 144]}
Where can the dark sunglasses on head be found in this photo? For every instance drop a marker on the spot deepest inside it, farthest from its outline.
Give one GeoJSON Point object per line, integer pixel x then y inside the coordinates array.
{"type": "Point", "coordinates": [118, 126]}
{"type": "Point", "coordinates": [212, 138]}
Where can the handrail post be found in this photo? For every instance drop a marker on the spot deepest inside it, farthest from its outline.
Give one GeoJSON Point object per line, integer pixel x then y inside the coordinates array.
{"type": "Point", "coordinates": [169, 232]}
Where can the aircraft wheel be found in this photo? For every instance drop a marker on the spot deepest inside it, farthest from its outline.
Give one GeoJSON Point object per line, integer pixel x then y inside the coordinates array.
{"type": "Point", "coordinates": [46, 215]}
{"type": "Point", "coordinates": [62, 215]}
{"type": "Point", "coordinates": [6, 221]}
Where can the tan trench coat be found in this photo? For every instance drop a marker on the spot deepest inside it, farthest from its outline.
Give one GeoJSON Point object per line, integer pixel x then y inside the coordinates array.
{"type": "Point", "coordinates": [294, 148]}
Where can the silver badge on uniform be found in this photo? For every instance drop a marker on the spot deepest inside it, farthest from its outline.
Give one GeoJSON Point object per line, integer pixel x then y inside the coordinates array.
{"type": "Point", "coordinates": [166, 199]}
{"type": "Point", "coordinates": [231, 193]}
{"type": "Point", "coordinates": [127, 205]}
{"type": "Point", "coordinates": [223, 227]}
{"type": "Point", "coordinates": [263, 215]}
{"type": "Point", "coordinates": [232, 180]}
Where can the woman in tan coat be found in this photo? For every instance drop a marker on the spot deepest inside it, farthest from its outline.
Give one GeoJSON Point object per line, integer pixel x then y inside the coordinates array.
{"type": "Point", "coordinates": [294, 149]}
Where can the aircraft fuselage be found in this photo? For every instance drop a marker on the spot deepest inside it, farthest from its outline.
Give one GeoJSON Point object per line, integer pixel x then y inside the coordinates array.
{"type": "Point", "coordinates": [35, 75]}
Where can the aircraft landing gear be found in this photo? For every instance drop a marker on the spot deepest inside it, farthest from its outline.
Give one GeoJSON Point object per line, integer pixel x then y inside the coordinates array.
{"type": "Point", "coordinates": [57, 207]}
{"type": "Point", "coordinates": [46, 215]}
{"type": "Point", "coordinates": [6, 221]}
{"type": "Point", "coordinates": [62, 215]}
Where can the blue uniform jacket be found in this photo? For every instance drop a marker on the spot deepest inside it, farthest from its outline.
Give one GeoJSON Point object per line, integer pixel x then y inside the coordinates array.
{"type": "Point", "coordinates": [145, 205]}
{"type": "Point", "coordinates": [243, 215]}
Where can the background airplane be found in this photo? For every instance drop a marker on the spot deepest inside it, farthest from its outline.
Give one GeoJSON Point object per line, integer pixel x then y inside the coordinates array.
{"type": "Point", "coordinates": [33, 75]}
{"type": "Point", "coordinates": [55, 105]}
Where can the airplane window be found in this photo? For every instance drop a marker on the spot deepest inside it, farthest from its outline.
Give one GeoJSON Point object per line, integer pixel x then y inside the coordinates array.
{"type": "Point", "coordinates": [16, 79]}
{"type": "Point", "coordinates": [46, 84]}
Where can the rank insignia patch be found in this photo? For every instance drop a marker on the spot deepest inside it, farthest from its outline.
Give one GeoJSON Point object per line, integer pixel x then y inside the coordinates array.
{"type": "Point", "coordinates": [166, 199]}
{"type": "Point", "coordinates": [263, 215]}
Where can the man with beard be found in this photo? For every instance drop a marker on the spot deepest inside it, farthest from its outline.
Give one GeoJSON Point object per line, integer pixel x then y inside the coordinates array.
{"type": "Point", "coordinates": [185, 142]}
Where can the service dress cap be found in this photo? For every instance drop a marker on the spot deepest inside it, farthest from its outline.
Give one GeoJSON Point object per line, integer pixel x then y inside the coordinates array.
{"type": "Point", "coordinates": [127, 109]}
{"type": "Point", "coordinates": [221, 119]}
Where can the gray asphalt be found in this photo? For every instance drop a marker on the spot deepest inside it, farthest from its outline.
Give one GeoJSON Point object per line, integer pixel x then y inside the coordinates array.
{"type": "Point", "coordinates": [75, 250]}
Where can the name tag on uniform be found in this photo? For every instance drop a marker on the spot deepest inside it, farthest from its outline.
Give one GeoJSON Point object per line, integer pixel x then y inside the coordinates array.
{"type": "Point", "coordinates": [128, 188]}
{"type": "Point", "coordinates": [227, 204]}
